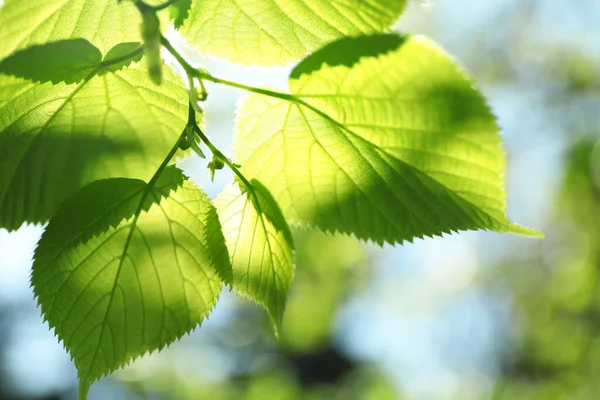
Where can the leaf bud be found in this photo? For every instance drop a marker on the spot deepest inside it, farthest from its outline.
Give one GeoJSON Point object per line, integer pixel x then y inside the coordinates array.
{"type": "Point", "coordinates": [150, 30]}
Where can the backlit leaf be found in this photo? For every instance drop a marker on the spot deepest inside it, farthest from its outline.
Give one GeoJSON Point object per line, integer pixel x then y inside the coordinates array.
{"type": "Point", "coordinates": [268, 32]}
{"type": "Point", "coordinates": [125, 268]}
{"type": "Point", "coordinates": [104, 23]}
{"type": "Point", "coordinates": [69, 61]}
{"type": "Point", "coordinates": [387, 140]}
{"type": "Point", "coordinates": [115, 59]}
{"type": "Point", "coordinates": [260, 246]}
{"type": "Point", "coordinates": [179, 12]}
{"type": "Point", "coordinates": [66, 60]}
{"type": "Point", "coordinates": [56, 138]}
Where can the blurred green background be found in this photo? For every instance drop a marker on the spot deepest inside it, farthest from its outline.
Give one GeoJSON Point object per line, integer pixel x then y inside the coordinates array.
{"type": "Point", "coordinates": [471, 316]}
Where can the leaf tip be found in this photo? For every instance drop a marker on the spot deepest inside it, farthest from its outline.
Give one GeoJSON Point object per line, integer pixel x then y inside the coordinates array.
{"type": "Point", "coordinates": [524, 231]}
{"type": "Point", "coordinates": [276, 320]}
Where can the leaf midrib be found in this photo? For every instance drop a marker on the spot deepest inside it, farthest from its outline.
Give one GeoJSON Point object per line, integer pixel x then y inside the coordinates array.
{"type": "Point", "coordinates": [132, 227]}
{"type": "Point", "coordinates": [453, 192]}
{"type": "Point", "coordinates": [299, 102]}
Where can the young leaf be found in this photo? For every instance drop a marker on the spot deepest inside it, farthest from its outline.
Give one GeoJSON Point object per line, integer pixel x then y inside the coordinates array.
{"type": "Point", "coordinates": [268, 32]}
{"type": "Point", "coordinates": [125, 268]}
{"type": "Point", "coordinates": [117, 58]}
{"type": "Point", "coordinates": [179, 11]}
{"type": "Point", "coordinates": [387, 140]}
{"type": "Point", "coordinates": [150, 32]}
{"type": "Point", "coordinates": [260, 246]}
{"type": "Point", "coordinates": [63, 61]}
{"type": "Point", "coordinates": [69, 61]}
{"type": "Point", "coordinates": [56, 138]}
{"type": "Point", "coordinates": [104, 23]}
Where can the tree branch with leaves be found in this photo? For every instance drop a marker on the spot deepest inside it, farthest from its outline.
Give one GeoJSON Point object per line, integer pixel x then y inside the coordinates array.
{"type": "Point", "coordinates": [381, 136]}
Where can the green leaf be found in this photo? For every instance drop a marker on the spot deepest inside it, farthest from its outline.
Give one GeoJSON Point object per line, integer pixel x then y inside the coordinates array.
{"type": "Point", "coordinates": [66, 60]}
{"type": "Point", "coordinates": [268, 32]}
{"type": "Point", "coordinates": [56, 138]}
{"type": "Point", "coordinates": [9, 88]}
{"type": "Point", "coordinates": [69, 61]}
{"type": "Point", "coordinates": [260, 246]}
{"type": "Point", "coordinates": [104, 23]}
{"type": "Point", "coordinates": [125, 268]}
{"type": "Point", "coordinates": [387, 140]}
{"type": "Point", "coordinates": [118, 57]}
{"type": "Point", "coordinates": [179, 12]}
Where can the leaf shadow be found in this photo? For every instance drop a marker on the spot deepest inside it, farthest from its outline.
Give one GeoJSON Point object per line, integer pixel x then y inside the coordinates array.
{"type": "Point", "coordinates": [53, 167]}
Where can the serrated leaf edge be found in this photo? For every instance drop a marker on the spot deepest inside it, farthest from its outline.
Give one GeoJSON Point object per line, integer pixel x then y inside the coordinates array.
{"type": "Point", "coordinates": [84, 387]}
{"type": "Point", "coordinates": [276, 320]}
{"type": "Point", "coordinates": [504, 226]}
{"type": "Point", "coordinates": [267, 65]}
